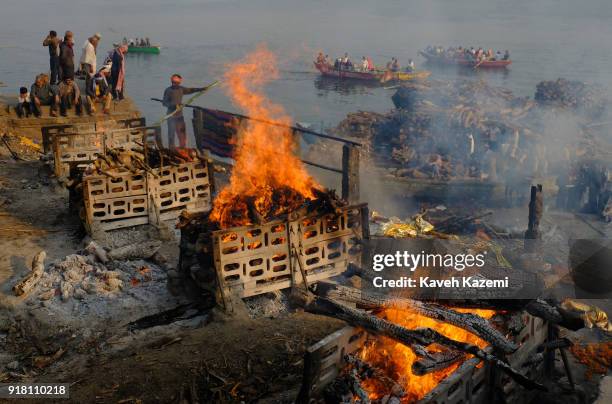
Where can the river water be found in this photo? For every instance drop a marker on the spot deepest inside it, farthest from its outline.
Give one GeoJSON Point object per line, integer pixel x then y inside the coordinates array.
{"type": "Point", "coordinates": [547, 39]}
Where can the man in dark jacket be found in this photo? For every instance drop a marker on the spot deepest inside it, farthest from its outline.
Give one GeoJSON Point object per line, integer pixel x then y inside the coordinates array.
{"type": "Point", "coordinates": [66, 57]}
{"type": "Point", "coordinates": [118, 72]}
{"type": "Point", "coordinates": [173, 101]}
{"type": "Point", "coordinates": [53, 43]}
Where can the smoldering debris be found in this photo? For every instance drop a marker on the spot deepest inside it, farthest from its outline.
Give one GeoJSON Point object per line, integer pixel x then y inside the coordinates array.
{"type": "Point", "coordinates": [466, 129]}
{"type": "Point", "coordinates": [574, 95]}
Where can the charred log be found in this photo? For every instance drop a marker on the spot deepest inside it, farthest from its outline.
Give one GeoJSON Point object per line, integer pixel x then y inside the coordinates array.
{"type": "Point", "coordinates": [437, 361]}
{"type": "Point", "coordinates": [467, 321]}
{"type": "Point", "coordinates": [424, 336]}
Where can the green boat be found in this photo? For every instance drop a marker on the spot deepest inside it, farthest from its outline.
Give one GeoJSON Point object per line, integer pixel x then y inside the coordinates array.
{"type": "Point", "coordinates": [154, 49]}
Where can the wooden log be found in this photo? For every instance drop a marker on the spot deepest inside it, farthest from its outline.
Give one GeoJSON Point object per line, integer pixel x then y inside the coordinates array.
{"type": "Point", "coordinates": [97, 250]}
{"type": "Point", "coordinates": [467, 321]}
{"type": "Point", "coordinates": [135, 251]}
{"type": "Point", "coordinates": [438, 360]}
{"type": "Point", "coordinates": [367, 371]}
{"type": "Point", "coordinates": [422, 336]}
{"type": "Point", "coordinates": [30, 281]}
{"type": "Point", "coordinates": [350, 173]}
{"type": "Point", "coordinates": [537, 307]}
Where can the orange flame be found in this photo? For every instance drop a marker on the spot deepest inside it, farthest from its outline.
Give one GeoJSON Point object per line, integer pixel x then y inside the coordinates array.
{"type": "Point", "coordinates": [267, 175]}
{"type": "Point", "coordinates": [396, 359]}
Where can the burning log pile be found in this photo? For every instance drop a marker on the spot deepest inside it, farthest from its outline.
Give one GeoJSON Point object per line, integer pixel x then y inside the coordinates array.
{"type": "Point", "coordinates": [272, 226]}
{"type": "Point", "coordinates": [414, 346]}
{"type": "Point", "coordinates": [574, 95]}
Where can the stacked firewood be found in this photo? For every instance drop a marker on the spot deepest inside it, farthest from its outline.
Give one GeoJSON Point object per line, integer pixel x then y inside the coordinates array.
{"type": "Point", "coordinates": [121, 160]}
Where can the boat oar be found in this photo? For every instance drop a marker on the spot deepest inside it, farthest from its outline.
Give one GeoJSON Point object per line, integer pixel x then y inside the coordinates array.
{"type": "Point", "coordinates": [478, 64]}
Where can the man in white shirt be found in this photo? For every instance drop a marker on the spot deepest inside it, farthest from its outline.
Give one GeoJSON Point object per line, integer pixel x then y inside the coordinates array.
{"type": "Point", "coordinates": [88, 58]}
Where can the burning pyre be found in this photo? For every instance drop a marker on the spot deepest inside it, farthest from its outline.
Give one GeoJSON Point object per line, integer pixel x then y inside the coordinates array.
{"type": "Point", "coordinates": [397, 359]}
{"type": "Point", "coordinates": [268, 179]}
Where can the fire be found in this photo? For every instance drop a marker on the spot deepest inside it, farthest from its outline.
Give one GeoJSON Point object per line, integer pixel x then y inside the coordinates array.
{"type": "Point", "coordinates": [396, 359]}
{"type": "Point", "coordinates": [268, 179]}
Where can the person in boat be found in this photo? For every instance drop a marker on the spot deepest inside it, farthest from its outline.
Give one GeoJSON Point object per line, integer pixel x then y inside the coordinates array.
{"type": "Point", "coordinates": [338, 63]}
{"type": "Point", "coordinates": [347, 64]}
{"type": "Point", "coordinates": [52, 41]}
{"type": "Point", "coordinates": [173, 101]}
{"type": "Point", "coordinates": [66, 57]}
{"type": "Point", "coordinates": [147, 41]}
{"type": "Point", "coordinates": [23, 103]}
{"type": "Point", "coordinates": [43, 93]}
{"type": "Point", "coordinates": [143, 43]}
{"type": "Point", "coordinates": [371, 65]}
{"type": "Point", "coordinates": [320, 58]}
{"type": "Point", "coordinates": [506, 55]}
{"type": "Point", "coordinates": [364, 64]}
{"type": "Point", "coordinates": [69, 96]}
{"type": "Point", "coordinates": [118, 72]}
{"type": "Point", "coordinates": [410, 68]}
{"type": "Point", "coordinates": [395, 67]}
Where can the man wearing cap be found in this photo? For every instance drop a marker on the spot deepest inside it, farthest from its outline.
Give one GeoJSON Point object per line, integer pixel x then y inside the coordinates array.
{"type": "Point", "coordinates": [173, 100]}
{"type": "Point", "coordinates": [88, 58]}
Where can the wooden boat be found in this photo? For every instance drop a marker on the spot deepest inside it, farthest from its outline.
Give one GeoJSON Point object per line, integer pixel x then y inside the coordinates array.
{"type": "Point", "coordinates": [444, 60]}
{"type": "Point", "coordinates": [153, 49]}
{"type": "Point", "coordinates": [373, 75]}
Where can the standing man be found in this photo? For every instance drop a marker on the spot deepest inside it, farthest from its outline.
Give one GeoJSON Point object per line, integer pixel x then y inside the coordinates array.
{"type": "Point", "coordinates": [173, 100]}
{"type": "Point", "coordinates": [66, 57]}
{"type": "Point", "coordinates": [53, 43]}
{"type": "Point", "coordinates": [88, 58]}
{"type": "Point", "coordinates": [118, 72]}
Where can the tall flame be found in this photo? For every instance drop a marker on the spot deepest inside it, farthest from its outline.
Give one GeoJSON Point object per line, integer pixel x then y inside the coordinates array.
{"type": "Point", "coordinates": [267, 174]}
{"type": "Point", "coordinates": [396, 359]}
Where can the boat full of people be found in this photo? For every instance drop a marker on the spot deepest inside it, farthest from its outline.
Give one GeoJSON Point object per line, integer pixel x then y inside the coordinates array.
{"type": "Point", "coordinates": [467, 57]}
{"type": "Point", "coordinates": [366, 70]}
{"type": "Point", "coordinates": [141, 45]}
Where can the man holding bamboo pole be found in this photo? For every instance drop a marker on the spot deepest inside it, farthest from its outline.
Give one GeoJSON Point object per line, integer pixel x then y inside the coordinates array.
{"type": "Point", "coordinates": [173, 101]}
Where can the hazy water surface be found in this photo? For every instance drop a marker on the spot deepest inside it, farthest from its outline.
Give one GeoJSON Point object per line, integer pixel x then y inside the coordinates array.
{"type": "Point", "coordinates": [547, 39]}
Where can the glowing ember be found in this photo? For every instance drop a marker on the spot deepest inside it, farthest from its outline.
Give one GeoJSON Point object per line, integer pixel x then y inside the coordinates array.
{"type": "Point", "coordinates": [396, 359]}
{"type": "Point", "coordinates": [267, 176]}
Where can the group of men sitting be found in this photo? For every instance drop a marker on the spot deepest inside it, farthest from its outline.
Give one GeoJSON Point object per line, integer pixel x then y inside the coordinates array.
{"type": "Point", "coordinates": [468, 53]}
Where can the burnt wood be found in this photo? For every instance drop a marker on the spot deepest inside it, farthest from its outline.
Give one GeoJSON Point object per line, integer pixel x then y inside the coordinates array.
{"type": "Point", "coordinates": [422, 336]}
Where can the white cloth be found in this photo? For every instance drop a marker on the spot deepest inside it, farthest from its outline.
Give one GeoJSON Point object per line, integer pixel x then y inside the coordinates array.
{"type": "Point", "coordinates": [89, 55]}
